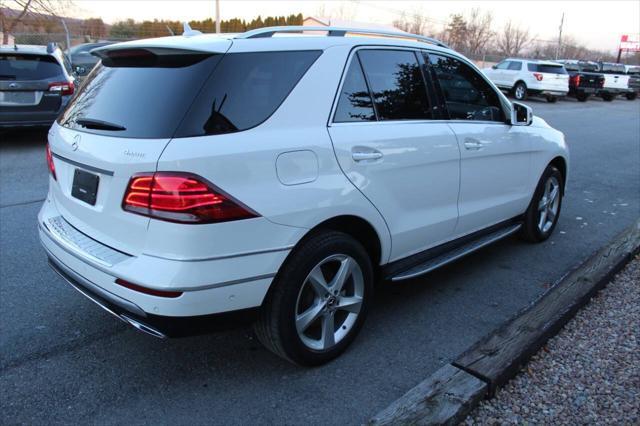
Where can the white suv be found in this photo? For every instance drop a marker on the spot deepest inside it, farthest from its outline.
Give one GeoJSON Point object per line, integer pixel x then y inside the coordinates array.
{"type": "Point", "coordinates": [203, 178]}
{"type": "Point", "coordinates": [524, 77]}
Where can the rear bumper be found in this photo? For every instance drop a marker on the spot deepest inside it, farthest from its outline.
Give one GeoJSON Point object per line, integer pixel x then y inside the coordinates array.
{"type": "Point", "coordinates": [26, 120]}
{"type": "Point", "coordinates": [16, 118]}
{"type": "Point", "coordinates": [155, 325]}
{"type": "Point", "coordinates": [614, 91]}
{"type": "Point", "coordinates": [92, 268]}
{"type": "Point", "coordinates": [547, 92]}
{"type": "Point", "coordinates": [584, 90]}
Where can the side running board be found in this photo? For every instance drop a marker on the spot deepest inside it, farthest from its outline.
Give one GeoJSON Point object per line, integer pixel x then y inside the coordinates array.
{"type": "Point", "coordinates": [455, 254]}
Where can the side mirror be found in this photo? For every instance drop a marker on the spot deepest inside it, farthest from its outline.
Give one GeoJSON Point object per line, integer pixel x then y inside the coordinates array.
{"type": "Point", "coordinates": [494, 67]}
{"type": "Point", "coordinates": [521, 114]}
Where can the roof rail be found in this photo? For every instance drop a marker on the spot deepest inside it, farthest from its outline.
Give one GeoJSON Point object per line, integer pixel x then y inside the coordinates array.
{"type": "Point", "coordinates": [337, 32]}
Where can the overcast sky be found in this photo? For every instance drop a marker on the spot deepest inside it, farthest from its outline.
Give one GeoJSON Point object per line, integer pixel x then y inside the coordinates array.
{"type": "Point", "coordinates": [598, 24]}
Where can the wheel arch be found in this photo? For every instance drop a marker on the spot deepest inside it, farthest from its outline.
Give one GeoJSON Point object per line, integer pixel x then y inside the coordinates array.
{"type": "Point", "coordinates": [561, 164]}
{"type": "Point", "coordinates": [520, 81]}
{"type": "Point", "coordinates": [359, 229]}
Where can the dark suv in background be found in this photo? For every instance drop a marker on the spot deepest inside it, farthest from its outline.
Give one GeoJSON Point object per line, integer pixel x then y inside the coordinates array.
{"type": "Point", "coordinates": [36, 83]}
{"type": "Point", "coordinates": [82, 61]}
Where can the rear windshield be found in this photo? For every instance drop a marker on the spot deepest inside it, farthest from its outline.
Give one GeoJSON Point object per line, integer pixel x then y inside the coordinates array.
{"type": "Point", "coordinates": [589, 67]}
{"type": "Point", "coordinates": [571, 67]}
{"type": "Point", "coordinates": [168, 93]}
{"type": "Point", "coordinates": [612, 68]}
{"type": "Point", "coordinates": [28, 67]}
{"type": "Point", "coordinates": [547, 68]}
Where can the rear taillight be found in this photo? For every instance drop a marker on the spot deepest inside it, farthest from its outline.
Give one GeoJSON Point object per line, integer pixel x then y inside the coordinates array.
{"type": "Point", "coordinates": [52, 167]}
{"type": "Point", "coordinates": [574, 80]}
{"type": "Point", "coordinates": [181, 197]}
{"type": "Point", "coordinates": [145, 290]}
{"type": "Point", "coordinates": [63, 87]}
{"type": "Point", "coordinates": [538, 76]}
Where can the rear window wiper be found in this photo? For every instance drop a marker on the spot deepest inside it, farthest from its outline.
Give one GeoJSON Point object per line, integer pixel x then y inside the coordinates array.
{"type": "Point", "coordinates": [91, 123]}
{"type": "Point", "coordinates": [7, 77]}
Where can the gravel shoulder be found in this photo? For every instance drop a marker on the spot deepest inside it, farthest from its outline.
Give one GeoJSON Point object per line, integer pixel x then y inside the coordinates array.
{"type": "Point", "coordinates": [588, 373]}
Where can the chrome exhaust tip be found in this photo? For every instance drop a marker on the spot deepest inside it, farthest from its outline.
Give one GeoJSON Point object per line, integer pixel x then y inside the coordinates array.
{"type": "Point", "coordinates": [143, 327]}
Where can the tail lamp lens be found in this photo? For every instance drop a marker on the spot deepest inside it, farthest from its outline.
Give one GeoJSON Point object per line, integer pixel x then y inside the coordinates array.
{"type": "Point", "coordinates": [538, 76]}
{"type": "Point", "coordinates": [52, 167]}
{"type": "Point", "coordinates": [180, 197]}
{"type": "Point", "coordinates": [63, 87]}
{"type": "Point", "coordinates": [575, 80]}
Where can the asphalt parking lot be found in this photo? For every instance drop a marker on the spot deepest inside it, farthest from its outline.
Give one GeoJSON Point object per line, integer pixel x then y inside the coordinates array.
{"type": "Point", "coordinates": [63, 360]}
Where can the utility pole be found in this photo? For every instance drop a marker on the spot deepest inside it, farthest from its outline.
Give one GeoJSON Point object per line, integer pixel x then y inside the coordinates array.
{"type": "Point", "coordinates": [217, 16]}
{"type": "Point", "coordinates": [560, 36]}
{"type": "Point", "coordinates": [66, 30]}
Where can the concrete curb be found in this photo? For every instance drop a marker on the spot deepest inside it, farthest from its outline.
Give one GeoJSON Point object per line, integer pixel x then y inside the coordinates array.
{"type": "Point", "coordinates": [453, 391]}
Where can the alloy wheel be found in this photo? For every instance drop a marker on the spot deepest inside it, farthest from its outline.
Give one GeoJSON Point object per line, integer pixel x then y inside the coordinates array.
{"type": "Point", "coordinates": [549, 204]}
{"type": "Point", "coordinates": [329, 302]}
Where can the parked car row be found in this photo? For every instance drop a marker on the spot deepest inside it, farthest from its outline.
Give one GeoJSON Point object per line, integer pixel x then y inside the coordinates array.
{"type": "Point", "coordinates": [575, 78]}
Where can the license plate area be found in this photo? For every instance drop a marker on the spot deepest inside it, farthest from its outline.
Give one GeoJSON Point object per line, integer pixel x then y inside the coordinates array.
{"type": "Point", "coordinates": [85, 186]}
{"type": "Point", "coordinates": [8, 98]}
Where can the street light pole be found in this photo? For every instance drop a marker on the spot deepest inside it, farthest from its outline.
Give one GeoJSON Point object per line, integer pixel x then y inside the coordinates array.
{"type": "Point", "coordinates": [217, 16]}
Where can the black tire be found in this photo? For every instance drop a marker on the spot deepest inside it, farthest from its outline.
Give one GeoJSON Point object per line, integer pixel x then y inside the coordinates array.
{"type": "Point", "coordinates": [530, 229]}
{"type": "Point", "coordinates": [519, 91]}
{"type": "Point", "coordinates": [552, 99]}
{"type": "Point", "coordinates": [607, 97]}
{"type": "Point", "coordinates": [631, 96]}
{"type": "Point", "coordinates": [582, 97]}
{"type": "Point", "coordinates": [276, 325]}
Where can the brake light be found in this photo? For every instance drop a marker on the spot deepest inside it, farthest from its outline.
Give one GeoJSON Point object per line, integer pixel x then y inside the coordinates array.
{"type": "Point", "coordinates": [538, 76]}
{"type": "Point", "coordinates": [145, 290]}
{"type": "Point", "coordinates": [52, 167]}
{"type": "Point", "coordinates": [181, 197]}
{"type": "Point", "coordinates": [64, 87]}
{"type": "Point", "coordinates": [574, 80]}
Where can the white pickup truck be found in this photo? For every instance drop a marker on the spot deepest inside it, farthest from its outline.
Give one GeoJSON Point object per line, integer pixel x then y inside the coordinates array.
{"type": "Point", "coordinates": [616, 81]}
{"type": "Point", "coordinates": [530, 77]}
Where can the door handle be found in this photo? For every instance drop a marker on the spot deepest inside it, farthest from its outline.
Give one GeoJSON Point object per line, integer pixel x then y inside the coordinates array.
{"type": "Point", "coordinates": [366, 155]}
{"type": "Point", "coordinates": [472, 144]}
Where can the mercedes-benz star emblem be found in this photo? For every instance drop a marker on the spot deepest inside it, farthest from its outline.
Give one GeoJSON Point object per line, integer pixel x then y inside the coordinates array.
{"type": "Point", "coordinates": [76, 142]}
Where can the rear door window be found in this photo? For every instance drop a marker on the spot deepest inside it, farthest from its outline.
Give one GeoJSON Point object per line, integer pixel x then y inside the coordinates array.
{"type": "Point", "coordinates": [355, 101]}
{"type": "Point", "coordinates": [515, 66]}
{"type": "Point", "coordinates": [397, 84]}
{"type": "Point", "coordinates": [467, 95]}
{"type": "Point", "coordinates": [547, 68]}
{"type": "Point", "coordinates": [28, 67]}
{"type": "Point", "coordinates": [244, 90]}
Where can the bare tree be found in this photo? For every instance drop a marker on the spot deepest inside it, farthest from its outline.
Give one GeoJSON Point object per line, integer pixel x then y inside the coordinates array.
{"type": "Point", "coordinates": [26, 8]}
{"type": "Point", "coordinates": [479, 34]}
{"type": "Point", "coordinates": [513, 39]}
{"type": "Point", "coordinates": [416, 23]}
